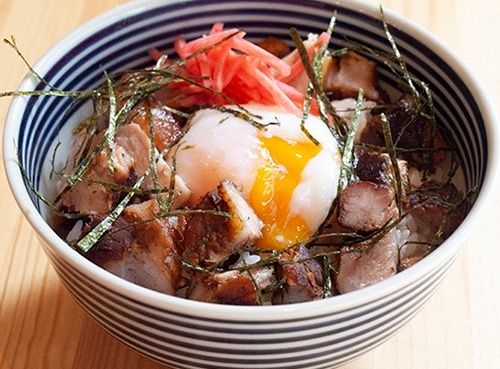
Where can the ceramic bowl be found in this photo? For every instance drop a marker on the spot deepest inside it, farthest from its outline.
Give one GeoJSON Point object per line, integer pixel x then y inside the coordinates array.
{"type": "Point", "coordinates": [190, 334]}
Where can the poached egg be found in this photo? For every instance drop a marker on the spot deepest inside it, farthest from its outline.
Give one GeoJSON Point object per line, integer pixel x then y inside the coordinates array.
{"type": "Point", "coordinates": [288, 180]}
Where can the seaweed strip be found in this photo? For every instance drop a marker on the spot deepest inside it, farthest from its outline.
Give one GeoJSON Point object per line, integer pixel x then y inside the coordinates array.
{"type": "Point", "coordinates": [396, 180]}
{"type": "Point", "coordinates": [258, 292]}
{"type": "Point", "coordinates": [324, 104]}
{"type": "Point", "coordinates": [327, 284]}
{"type": "Point", "coordinates": [58, 93]}
{"type": "Point", "coordinates": [347, 155]}
{"type": "Point", "coordinates": [52, 161]}
{"type": "Point", "coordinates": [111, 130]}
{"type": "Point", "coordinates": [12, 43]}
{"type": "Point", "coordinates": [400, 59]}
{"type": "Point", "coordinates": [42, 198]}
{"type": "Point", "coordinates": [87, 242]}
{"type": "Point", "coordinates": [305, 114]}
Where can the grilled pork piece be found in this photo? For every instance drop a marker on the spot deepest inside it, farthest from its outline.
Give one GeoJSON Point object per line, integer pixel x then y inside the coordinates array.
{"type": "Point", "coordinates": [345, 109]}
{"type": "Point", "coordinates": [131, 158]}
{"type": "Point", "coordinates": [349, 73]}
{"type": "Point", "coordinates": [362, 269]}
{"type": "Point", "coordinates": [91, 197]}
{"type": "Point", "coordinates": [377, 168]}
{"type": "Point", "coordinates": [131, 143]}
{"type": "Point", "coordinates": [112, 247]}
{"type": "Point", "coordinates": [409, 131]}
{"type": "Point", "coordinates": [158, 237]}
{"type": "Point", "coordinates": [302, 280]}
{"type": "Point", "coordinates": [132, 150]}
{"type": "Point", "coordinates": [372, 167]}
{"type": "Point", "coordinates": [366, 206]}
{"type": "Point", "coordinates": [140, 253]}
{"type": "Point", "coordinates": [442, 211]}
{"type": "Point", "coordinates": [232, 288]}
{"type": "Point", "coordinates": [167, 128]}
{"type": "Point", "coordinates": [275, 46]}
{"type": "Point", "coordinates": [210, 239]}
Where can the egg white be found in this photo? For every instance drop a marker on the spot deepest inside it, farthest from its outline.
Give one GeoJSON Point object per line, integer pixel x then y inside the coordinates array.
{"type": "Point", "coordinates": [220, 146]}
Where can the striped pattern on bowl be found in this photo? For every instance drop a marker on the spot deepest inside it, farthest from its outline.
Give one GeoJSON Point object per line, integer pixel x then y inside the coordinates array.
{"type": "Point", "coordinates": [187, 334]}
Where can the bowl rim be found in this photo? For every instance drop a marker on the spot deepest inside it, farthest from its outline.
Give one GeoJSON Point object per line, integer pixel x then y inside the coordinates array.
{"type": "Point", "coordinates": [208, 311]}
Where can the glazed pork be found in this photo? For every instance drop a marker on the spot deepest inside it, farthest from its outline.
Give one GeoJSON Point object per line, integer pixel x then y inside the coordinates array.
{"type": "Point", "coordinates": [366, 206]}
{"type": "Point", "coordinates": [131, 159]}
{"type": "Point", "coordinates": [254, 190]}
{"type": "Point", "coordinates": [302, 276]}
{"type": "Point", "coordinates": [211, 239]}
{"type": "Point", "coordinates": [167, 128]}
{"type": "Point", "coordinates": [369, 265]}
{"type": "Point", "coordinates": [141, 250]}
{"type": "Point", "coordinates": [411, 131]}
{"type": "Point", "coordinates": [233, 287]}
{"type": "Point", "coordinates": [349, 73]}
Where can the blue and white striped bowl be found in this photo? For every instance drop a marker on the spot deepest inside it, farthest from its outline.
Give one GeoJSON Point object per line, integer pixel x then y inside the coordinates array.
{"type": "Point", "coordinates": [189, 334]}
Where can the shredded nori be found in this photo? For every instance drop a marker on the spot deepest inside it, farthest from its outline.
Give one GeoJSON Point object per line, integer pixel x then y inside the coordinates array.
{"type": "Point", "coordinates": [347, 167]}
{"type": "Point", "coordinates": [143, 83]}
{"type": "Point", "coordinates": [111, 130]}
{"type": "Point", "coordinates": [396, 178]}
{"type": "Point", "coordinates": [86, 243]}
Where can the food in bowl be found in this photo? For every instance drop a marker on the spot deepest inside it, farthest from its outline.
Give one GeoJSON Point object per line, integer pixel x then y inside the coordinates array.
{"type": "Point", "coordinates": [254, 174]}
{"type": "Point", "coordinates": [187, 333]}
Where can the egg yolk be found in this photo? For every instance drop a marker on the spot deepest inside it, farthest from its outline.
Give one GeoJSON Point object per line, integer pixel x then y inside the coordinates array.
{"type": "Point", "coordinates": [272, 191]}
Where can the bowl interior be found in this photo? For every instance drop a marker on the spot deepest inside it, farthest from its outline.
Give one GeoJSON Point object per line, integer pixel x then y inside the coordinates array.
{"type": "Point", "coordinates": [124, 44]}
{"type": "Point", "coordinates": [120, 40]}
{"type": "Point", "coordinates": [78, 63]}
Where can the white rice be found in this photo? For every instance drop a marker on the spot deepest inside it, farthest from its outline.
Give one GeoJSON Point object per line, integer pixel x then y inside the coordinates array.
{"type": "Point", "coordinates": [75, 233]}
{"type": "Point", "coordinates": [408, 231]}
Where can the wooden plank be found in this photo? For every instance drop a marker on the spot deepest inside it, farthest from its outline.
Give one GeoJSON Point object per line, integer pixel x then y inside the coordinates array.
{"type": "Point", "coordinates": [42, 327]}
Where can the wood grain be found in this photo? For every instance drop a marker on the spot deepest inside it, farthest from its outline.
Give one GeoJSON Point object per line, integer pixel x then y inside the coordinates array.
{"type": "Point", "coordinates": [42, 327]}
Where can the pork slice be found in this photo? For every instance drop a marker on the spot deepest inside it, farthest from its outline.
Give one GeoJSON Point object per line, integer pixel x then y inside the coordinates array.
{"type": "Point", "coordinates": [182, 193]}
{"type": "Point", "coordinates": [351, 72]}
{"type": "Point", "coordinates": [167, 128]}
{"type": "Point", "coordinates": [119, 253]}
{"type": "Point", "coordinates": [232, 287]}
{"type": "Point", "coordinates": [372, 167]}
{"type": "Point", "coordinates": [131, 159]}
{"type": "Point", "coordinates": [366, 206]}
{"type": "Point", "coordinates": [440, 212]}
{"type": "Point", "coordinates": [210, 239]}
{"type": "Point", "coordinates": [113, 246]}
{"type": "Point", "coordinates": [371, 133]}
{"type": "Point", "coordinates": [409, 131]}
{"type": "Point", "coordinates": [275, 46]}
{"type": "Point", "coordinates": [139, 266]}
{"type": "Point", "coordinates": [131, 152]}
{"type": "Point", "coordinates": [362, 269]}
{"type": "Point", "coordinates": [87, 198]}
{"type": "Point", "coordinates": [157, 236]}
{"type": "Point", "coordinates": [377, 168]}
{"type": "Point", "coordinates": [133, 155]}
{"type": "Point", "coordinates": [302, 278]}
{"type": "Point", "coordinates": [345, 109]}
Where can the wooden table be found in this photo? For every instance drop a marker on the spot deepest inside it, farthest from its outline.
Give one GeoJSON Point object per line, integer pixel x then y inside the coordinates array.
{"type": "Point", "coordinates": [42, 327]}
